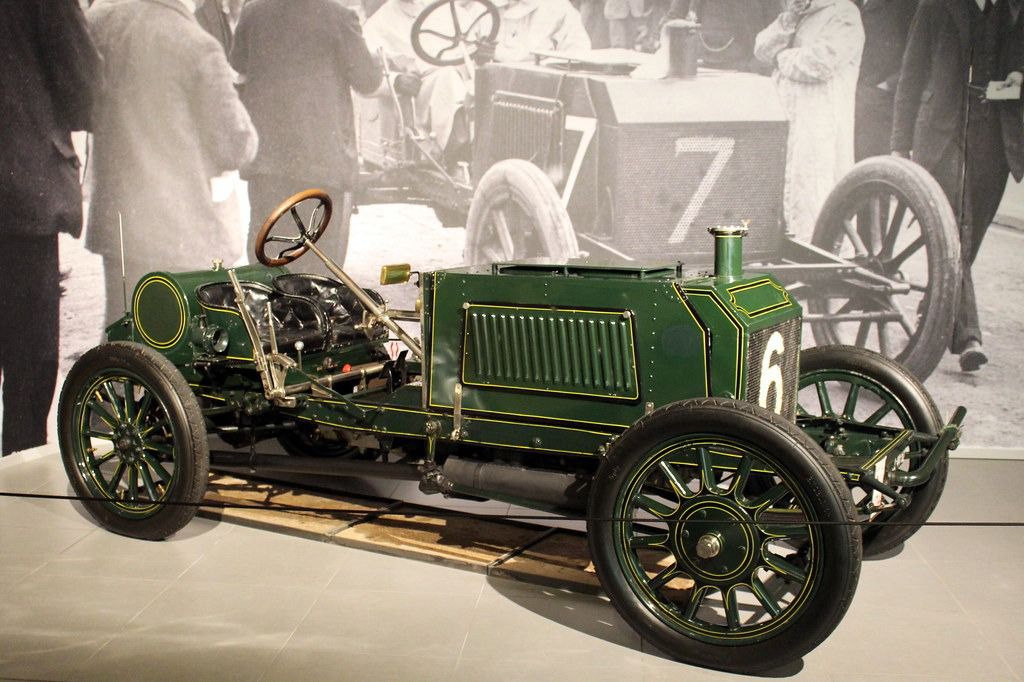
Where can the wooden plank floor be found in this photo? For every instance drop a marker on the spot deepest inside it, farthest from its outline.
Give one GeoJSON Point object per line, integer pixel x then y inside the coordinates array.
{"type": "Point", "coordinates": [489, 545]}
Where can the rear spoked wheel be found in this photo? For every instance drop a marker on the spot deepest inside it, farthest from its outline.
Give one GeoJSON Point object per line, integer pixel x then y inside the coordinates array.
{"type": "Point", "coordinates": [724, 536]}
{"type": "Point", "coordinates": [853, 401]}
{"type": "Point", "coordinates": [133, 440]}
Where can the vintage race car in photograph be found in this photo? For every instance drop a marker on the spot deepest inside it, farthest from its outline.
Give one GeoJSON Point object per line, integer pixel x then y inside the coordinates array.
{"type": "Point", "coordinates": [723, 472]}
{"type": "Point", "coordinates": [642, 165]}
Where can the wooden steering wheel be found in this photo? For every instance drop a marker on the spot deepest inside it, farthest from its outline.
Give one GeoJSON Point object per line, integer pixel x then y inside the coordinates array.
{"type": "Point", "coordinates": [438, 30]}
{"type": "Point", "coordinates": [296, 244]}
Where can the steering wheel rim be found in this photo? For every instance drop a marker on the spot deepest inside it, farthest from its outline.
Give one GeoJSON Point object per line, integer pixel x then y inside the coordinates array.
{"type": "Point", "coordinates": [304, 238]}
{"type": "Point", "coordinates": [459, 38]}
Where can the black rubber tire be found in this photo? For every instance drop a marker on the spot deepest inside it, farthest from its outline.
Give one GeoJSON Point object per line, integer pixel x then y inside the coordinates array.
{"type": "Point", "coordinates": [924, 416]}
{"type": "Point", "coordinates": [835, 565]}
{"type": "Point", "coordinates": [161, 378]}
{"type": "Point", "coordinates": [538, 224]}
{"type": "Point", "coordinates": [921, 194]}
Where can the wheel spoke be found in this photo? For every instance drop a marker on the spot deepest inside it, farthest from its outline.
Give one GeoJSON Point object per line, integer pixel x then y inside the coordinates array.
{"type": "Point", "coordinates": [298, 220]}
{"type": "Point", "coordinates": [159, 447]}
{"type": "Point", "coordinates": [652, 506]}
{"type": "Point", "coordinates": [697, 595]}
{"type": "Point", "coordinates": [773, 495]}
{"type": "Point", "coordinates": [99, 435]}
{"type": "Point", "coordinates": [674, 479]}
{"type": "Point", "coordinates": [115, 480]}
{"type": "Point", "coordinates": [133, 483]}
{"type": "Point", "coordinates": [663, 578]}
{"type": "Point", "coordinates": [472, 26]}
{"type": "Point", "coordinates": [769, 602]}
{"type": "Point", "coordinates": [859, 249]}
{"type": "Point", "coordinates": [455, 19]}
{"type": "Point", "coordinates": [500, 222]}
{"type": "Point", "coordinates": [742, 474]}
{"type": "Point", "coordinates": [732, 609]}
{"type": "Point", "coordinates": [104, 458]}
{"type": "Point", "coordinates": [147, 482]}
{"type": "Point", "coordinates": [156, 466]}
{"type": "Point", "coordinates": [823, 399]}
{"type": "Point", "coordinates": [896, 262]}
{"type": "Point", "coordinates": [784, 567]}
{"type": "Point", "coordinates": [851, 401]}
{"type": "Point", "coordinates": [707, 471]}
{"type": "Point", "coordinates": [101, 412]}
{"type": "Point", "coordinates": [158, 424]}
{"type": "Point", "coordinates": [646, 541]}
{"type": "Point", "coordinates": [129, 400]}
{"type": "Point", "coordinates": [114, 402]}
{"type": "Point", "coordinates": [437, 34]}
{"type": "Point", "coordinates": [878, 415]}
{"type": "Point", "coordinates": [893, 233]}
{"type": "Point", "coordinates": [144, 405]}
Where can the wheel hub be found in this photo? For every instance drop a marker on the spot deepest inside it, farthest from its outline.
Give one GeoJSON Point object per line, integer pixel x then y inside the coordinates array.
{"type": "Point", "coordinates": [714, 539]}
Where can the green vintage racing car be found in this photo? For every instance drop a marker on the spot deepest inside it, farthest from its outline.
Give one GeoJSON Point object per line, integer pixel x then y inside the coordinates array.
{"type": "Point", "coordinates": [725, 476]}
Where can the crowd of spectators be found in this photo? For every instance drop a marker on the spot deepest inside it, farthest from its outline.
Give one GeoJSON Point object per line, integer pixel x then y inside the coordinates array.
{"type": "Point", "coordinates": [178, 93]}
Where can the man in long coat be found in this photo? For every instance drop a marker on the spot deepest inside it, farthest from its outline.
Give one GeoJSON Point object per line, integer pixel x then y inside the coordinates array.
{"type": "Point", "coordinates": [886, 25]}
{"type": "Point", "coordinates": [815, 47]}
{"type": "Point", "coordinates": [168, 121]}
{"type": "Point", "coordinates": [48, 69]}
{"type": "Point", "coordinates": [299, 60]}
{"type": "Point", "coordinates": [956, 48]}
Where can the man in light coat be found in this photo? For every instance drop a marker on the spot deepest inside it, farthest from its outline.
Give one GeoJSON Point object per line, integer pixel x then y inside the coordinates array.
{"type": "Point", "coordinates": [814, 47]}
{"type": "Point", "coordinates": [167, 121]}
{"type": "Point", "coordinates": [439, 91]}
{"type": "Point", "coordinates": [528, 26]}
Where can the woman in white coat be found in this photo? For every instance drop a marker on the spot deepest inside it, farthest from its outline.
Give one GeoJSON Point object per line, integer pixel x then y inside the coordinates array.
{"type": "Point", "coordinates": [814, 48]}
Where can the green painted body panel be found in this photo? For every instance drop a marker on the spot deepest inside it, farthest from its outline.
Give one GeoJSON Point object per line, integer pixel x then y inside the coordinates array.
{"type": "Point", "coordinates": [670, 320]}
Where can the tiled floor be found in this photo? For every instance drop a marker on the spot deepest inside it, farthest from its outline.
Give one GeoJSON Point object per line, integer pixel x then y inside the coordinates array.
{"type": "Point", "coordinates": [226, 602]}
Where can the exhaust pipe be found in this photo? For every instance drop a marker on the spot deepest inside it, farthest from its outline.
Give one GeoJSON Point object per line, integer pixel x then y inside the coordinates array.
{"type": "Point", "coordinates": [554, 489]}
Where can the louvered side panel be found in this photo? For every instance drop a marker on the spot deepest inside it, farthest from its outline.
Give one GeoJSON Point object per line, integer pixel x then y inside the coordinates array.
{"type": "Point", "coordinates": [580, 352]}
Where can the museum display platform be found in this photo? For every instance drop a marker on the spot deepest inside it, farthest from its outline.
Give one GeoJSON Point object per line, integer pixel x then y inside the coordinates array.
{"type": "Point", "coordinates": [225, 600]}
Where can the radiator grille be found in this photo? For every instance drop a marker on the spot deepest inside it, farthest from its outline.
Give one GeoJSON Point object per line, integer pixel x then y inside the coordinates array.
{"type": "Point", "coordinates": [531, 128]}
{"type": "Point", "coordinates": [786, 356]}
{"type": "Point", "coordinates": [550, 350]}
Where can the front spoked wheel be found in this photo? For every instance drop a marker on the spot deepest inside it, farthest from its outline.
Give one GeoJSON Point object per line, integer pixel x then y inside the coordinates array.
{"type": "Point", "coordinates": [724, 535]}
{"type": "Point", "coordinates": [133, 440]}
{"type": "Point", "coordinates": [891, 218]}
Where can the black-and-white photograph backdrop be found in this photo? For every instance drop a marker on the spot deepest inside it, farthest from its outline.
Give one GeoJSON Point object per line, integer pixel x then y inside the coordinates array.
{"type": "Point", "coordinates": [872, 148]}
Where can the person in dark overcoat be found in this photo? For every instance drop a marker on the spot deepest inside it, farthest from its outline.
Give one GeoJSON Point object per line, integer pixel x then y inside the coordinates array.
{"type": "Point", "coordinates": [48, 70]}
{"type": "Point", "coordinates": [168, 120]}
{"type": "Point", "coordinates": [886, 25]}
{"type": "Point", "coordinates": [955, 49]}
{"type": "Point", "coordinates": [298, 61]}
